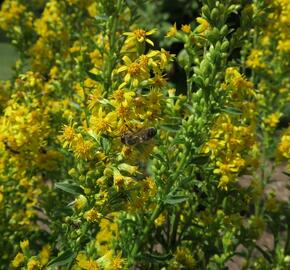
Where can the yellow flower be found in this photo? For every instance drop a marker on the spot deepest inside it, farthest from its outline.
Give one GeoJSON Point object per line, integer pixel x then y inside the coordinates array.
{"type": "Point", "coordinates": [103, 122]}
{"type": "Point", "coordinates": [82, 260]}
{"type": "Point", "coordinates": [128, 168]}
{"type": "Point", "coordinates": [140, 36]}
{"type": "Point", "coordinates": [105, 237]}
{"type": "Point", "coordinates": [224, 182]}
{"type": "Point", "coordinates": [117, 263]}
{"type": "Point", "coordinates": [184, 257]}
{"type": "Point", "coordinates": [45, 254]}
{"type": "Point", "coordinates": [80, 202]}
{"type": "Point", "coordinates": [172, 31]}
{"type": "Point", "coordinates": [82, 148]}
{"type": "Point", "coordinates": [121, 95]}
{"type": "Point", "coordinates": [121, 181]}
{"type": "Point", "coordinates": [203, 25]}
{"type": "Point", "coordinates": [93, 9]}
{"type": "Point", "coordinates": [92, 215]}
{"type": "Point", "coordinates": [135, 72]}
{"type": "Point", "coordinates": [185, 28]}
{"type": "Point", "coordinates": [273, 119]}
{"type": "Point", "coordinates": [1, 194]}
{"type": "Point", "coordinates": [160, 220]}
{"type": "Point", "coordinates": [284, 45]}
{"type": "Point", "coordinates": [68, 135]}
{"type": "Point", "coordinates": [54, 72]}
{"type": "Point", "coordinates": [165, 57]}
{"type": "Point", "coordinates": [10, 13]}
{"type": "Point", "coordinates": [94, 98]}
{"type": "Point", "coordinates": [84, 263]}
{"type": "Point", "coordinates": [159, 81]}
{"type": "Point", "coordinates": [284, 145]}
{"type": "Point", "coordinates": [254, 59]}
{"type": "Point", "coordinates": [33, 264]}
{"type": "Point", "coordinates": [237, 80]}
{"type": "Point", "coordinates": [148, 185]}
{"type": "Point", "coordinates": [18, 260]}
{"type": "Point", "coordinates": [96, 58]}
{"type": "Point", "coordinates": [92, 265]}
{"type": "Point", "coordinates": [24, 245]}
{"type": "Point", "coordinates": [224, 168]}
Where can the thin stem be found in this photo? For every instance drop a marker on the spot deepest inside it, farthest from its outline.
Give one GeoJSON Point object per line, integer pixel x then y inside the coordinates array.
{"type": "Point", "coordinates": [158, 209]}
{"type": "Point", "coordinates": [138, 244]}
{"type": "Point", "coordinates": [112, 54]}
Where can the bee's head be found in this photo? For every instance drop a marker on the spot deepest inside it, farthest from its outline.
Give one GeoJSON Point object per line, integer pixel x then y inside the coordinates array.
{"type": "Point", "coordinates": [152, 131]}
{"type": "Point", "coordinates": [123, 139]}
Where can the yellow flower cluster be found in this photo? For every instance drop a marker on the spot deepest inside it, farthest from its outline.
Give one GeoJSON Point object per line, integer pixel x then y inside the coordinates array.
{"type": "Point", "coordinates": [35, 262]}
{"type": "Point", "coordinates": [11, 14]}
{"type": "Point", "coordinates": [284, 145]}
{"type": "Point", "coordinates": [233, 145]}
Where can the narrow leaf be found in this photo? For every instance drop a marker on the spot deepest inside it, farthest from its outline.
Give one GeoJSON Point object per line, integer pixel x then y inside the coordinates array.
{"type": "Point", "coordinates": [70, 188]}
{"type": "Point", "coordinates": [94, 77]}
{"type": "Point", "coordinates": [170, 127]}
{"type": "Point", "coordinates": [200, 159]}
{"type": "Point", "coordinates": [175, 199]}
{"type": "Point", "coordinates": [157, 257]}
{"type": "Point", "coordinates": [189, 107]}
{"type": "Point", "coordinates": [63, 259]}
{"type": "Point", "coordinates": [231, 110]}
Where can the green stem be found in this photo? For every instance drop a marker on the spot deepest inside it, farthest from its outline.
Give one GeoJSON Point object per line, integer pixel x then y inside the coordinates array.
{"type": "Point", "coordinates": [85, 106]}
{"type": "Point", "coordinates": [158, 209]}
{"type": "Point", "coordinates": [112, 54]}
{"type": "Point", "coordinates": [287, 243]}
{"type": "Point", "coordinates": [188, 86]}
{"type": "Point", "coordinates": [138, 244]}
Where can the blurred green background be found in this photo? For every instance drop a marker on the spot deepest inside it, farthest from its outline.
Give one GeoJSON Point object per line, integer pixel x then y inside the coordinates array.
{"type": "Point", "coordinates": [8, 56]}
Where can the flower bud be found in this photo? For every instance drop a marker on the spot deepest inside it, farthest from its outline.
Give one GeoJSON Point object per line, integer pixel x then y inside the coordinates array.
{"type": "Point", "coordinates": [215, 15]}
{"type": "Point", "coordinates": [225, 46]}
{"type": "Point", "coordinates": [206, 11]}
{"type": "Point", "coordinates": [224, 30]}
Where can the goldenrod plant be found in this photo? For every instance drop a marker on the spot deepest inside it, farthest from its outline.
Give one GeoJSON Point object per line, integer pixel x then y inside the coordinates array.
{"type": "Point", "coordinates": [107, 163]}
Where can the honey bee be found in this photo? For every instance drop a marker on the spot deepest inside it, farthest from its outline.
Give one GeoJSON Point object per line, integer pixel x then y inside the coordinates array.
{"type": "Point", "coordinates": [141, 136]}
{"type": "Point", "coordinates": [9, 148]}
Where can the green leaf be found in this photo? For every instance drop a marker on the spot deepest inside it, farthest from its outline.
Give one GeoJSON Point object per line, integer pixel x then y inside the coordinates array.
{"type": "Point", "coordinates": [178, 140]}
{"type": "Point", "coordinates": [106, 102]}
{"type": "Point", "coordinates": [76, 106]}
{"type": "Point", "coordinates": [101, 18]}
{"type": "Point", "coordinates": [157, 257]}
{"type": "Point", "coordinates": [105, 144]}
{"type": "Point", "coordinates": [287, 174]}
{"type": "Point", "coordinates": [94, 136]}
{"type": "Point", "coordinates": [63, 259]}
{"type": "Point", "coordinates": [231, 110]}
{"type": "Point", "coordinates": [175, 199]}
{"type": "Point", "coordinates": [198, 80]}
{"type": "Point", "coordinates": [170, 127]}
{"type": "Point", "coordinates": [161, 158]}
{"type": "Point", "coordinates": [200, 159]}
{"type": "Point", "coordinates": [94, 77]}
{"type": "Point", "coordinates": [70, 188]}
{"type": "Point", "coordinates": [189, 107]}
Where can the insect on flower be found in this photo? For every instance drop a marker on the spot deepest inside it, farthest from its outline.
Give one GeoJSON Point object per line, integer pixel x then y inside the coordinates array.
{"type": "Point", "coordinates": [9, 148]}
{"type": "Point", "coordinates": [141, 136]}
